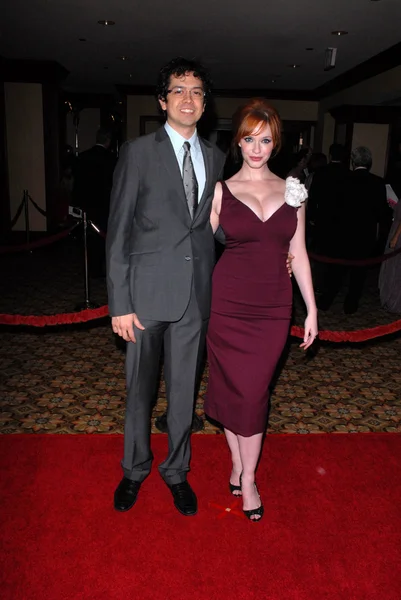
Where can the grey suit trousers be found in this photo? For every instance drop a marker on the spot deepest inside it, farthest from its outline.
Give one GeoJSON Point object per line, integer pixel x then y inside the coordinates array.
{"type": "Point", "coordinates": [183, 342]}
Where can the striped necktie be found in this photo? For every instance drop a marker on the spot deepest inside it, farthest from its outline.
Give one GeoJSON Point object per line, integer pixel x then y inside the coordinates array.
{"type": "Point", "coordinates": [189, 180]}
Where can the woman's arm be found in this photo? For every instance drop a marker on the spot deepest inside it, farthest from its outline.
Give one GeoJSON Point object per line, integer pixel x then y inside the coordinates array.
{"type": "Point", "coordinates": [303, 276]}
{"type": "Point", "coordinates": [216, 207]}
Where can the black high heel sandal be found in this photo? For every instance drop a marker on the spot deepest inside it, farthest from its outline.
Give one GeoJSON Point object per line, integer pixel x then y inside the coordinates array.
{"type": "Point", "coordinates": [235, 488]}
{"type": "Point", "coordinates": [254, 512]}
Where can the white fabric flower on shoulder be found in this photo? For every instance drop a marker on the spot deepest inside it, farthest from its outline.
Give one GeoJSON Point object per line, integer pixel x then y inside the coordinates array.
{"type": "Point", "coordinates": [295, 192]}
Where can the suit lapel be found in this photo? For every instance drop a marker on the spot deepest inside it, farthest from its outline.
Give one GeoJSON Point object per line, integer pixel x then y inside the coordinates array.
{"type": "Point", "coordinates": [169, 160]}
{"type": "Point", "coordinates": [207, 152]}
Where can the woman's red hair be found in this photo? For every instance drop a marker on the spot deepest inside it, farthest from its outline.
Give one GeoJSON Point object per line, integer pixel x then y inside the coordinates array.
{"type": "Point", "coordinates": [252, 117]}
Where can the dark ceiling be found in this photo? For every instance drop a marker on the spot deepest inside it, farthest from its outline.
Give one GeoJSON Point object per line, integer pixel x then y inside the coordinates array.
{"type": "Point", "coordinates": [245, 44]}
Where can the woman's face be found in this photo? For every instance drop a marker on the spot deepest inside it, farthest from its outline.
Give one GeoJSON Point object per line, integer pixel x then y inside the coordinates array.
{"type": "Point", "coordinates": [256, 148]}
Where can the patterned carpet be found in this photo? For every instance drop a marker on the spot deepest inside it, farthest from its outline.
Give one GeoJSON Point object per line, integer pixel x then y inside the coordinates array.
{"type": "Point", "coordinates": [70, 379]}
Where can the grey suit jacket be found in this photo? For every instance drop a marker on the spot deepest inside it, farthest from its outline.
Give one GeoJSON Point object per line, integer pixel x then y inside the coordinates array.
{"type": "Point", "coordinates": [154, 249]}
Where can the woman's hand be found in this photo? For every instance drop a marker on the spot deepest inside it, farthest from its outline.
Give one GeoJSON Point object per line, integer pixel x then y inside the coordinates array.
{"type": "Point", "coordinates": [311, 330]}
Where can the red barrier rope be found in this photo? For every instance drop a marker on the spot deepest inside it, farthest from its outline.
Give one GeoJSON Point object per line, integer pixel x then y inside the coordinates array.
{"type": "Point", "coordinates": [84, 316]}
{"type": "Point", "coordinates": [38, 243]}
{"type": "Point", "coordinates": [325, 259]}
{"type": "Point", "coordinates": [99, 231]}
{"type": "Point", "coordinates": [360, 262]}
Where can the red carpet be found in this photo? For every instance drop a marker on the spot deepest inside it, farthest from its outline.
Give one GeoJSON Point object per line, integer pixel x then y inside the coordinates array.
{"type": "Point", "coordinates": [331, 530]}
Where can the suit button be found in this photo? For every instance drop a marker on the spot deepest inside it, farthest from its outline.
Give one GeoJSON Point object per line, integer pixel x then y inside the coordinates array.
{"type": "Point", "coordinates": [187, 258]}
{"type": "Point", "coordinates": [191, 231]}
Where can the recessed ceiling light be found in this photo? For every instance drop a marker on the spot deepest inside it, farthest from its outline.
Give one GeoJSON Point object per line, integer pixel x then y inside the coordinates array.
{"type": "Point", "coordinates": [309, 49]}
{"type": "Point", "coordinates": [130, 75]}
{"type": "Point", "coordinates": [339, 33]}
{"type": "Point", "coordinates": [273, 81]}
{"type": "Point", "coordinates": [123, 57]}
{"type": "Point", "coordinates": [82, 39]}
{"type": "Point", "coordinates": [107, 23]}
{"type": "Point", "coordinates": [105, 68]}
{"type": "Point", "coordinates": [294, 66]}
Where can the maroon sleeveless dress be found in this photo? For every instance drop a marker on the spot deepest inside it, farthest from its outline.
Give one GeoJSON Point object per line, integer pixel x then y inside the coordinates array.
{"type": "Point", "coordinates": [250, 314]}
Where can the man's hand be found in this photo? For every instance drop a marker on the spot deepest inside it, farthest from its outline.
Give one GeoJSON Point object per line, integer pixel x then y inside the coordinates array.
{"type": "Point", "coordinates": [124, 326]}
{"type": "Point", "coordinates": [288, 263]}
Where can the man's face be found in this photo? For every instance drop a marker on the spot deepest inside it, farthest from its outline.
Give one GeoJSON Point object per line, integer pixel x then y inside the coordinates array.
{"type": "Point", "coordinates": [185, 103]}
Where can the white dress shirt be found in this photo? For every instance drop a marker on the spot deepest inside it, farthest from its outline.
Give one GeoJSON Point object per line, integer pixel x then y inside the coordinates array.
{"type": "Point", "coordinates": [196, 154]}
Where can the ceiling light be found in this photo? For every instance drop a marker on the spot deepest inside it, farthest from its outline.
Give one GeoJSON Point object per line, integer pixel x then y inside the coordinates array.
{"type": "Point", "coordinates": [339, 33]}
{"type": "Point", "coordinates": [330, 58]}
{"type": "Point", "coordinates": [123, 57]}
{"type": "Point", "coordinates": [82, 39]}
{"type": "Point", "coordinates": [294, 66]}
{"type": "Point", "coordinates": [309, 49]}
{"type": "Point", "coordinates": [107, 23]}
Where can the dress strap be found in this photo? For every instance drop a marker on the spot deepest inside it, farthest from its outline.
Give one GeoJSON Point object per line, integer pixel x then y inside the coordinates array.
{"type": "Point", "coordinates": [226, 189]}
{"type": "Point", "coordinates": [225, 193]}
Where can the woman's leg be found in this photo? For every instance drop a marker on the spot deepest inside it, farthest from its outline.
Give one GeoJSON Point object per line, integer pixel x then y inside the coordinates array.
{"type": "Point", "coordinates": [249, 448]}
{"type": "Point", "coordinates": [232, 441]}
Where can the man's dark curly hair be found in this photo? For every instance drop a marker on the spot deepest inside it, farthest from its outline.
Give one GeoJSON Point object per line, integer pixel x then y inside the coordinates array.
{"type": "Point", "coordinates": [180, 66]}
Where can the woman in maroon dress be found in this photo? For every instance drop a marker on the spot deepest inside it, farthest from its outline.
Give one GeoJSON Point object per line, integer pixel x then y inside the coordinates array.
{"type": "Point", "coordinates": [263, 219]}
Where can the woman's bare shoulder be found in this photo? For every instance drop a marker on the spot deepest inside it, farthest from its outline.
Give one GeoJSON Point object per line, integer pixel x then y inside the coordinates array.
{"type": "Point", "coordinates": [217, 197]}
{"type": "Point", "coordinates": [218, 189]}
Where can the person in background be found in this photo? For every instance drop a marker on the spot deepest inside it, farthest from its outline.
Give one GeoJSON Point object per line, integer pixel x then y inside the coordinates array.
{"type": "Point", "coordinates": [360, 223]}
{"type": "Point", "coordinates": [316, 162]}
{"type": "Point", "coordinates": [390, 271]}
{"type": "Point", "coordinates": [92, 189]}
{"type": "Point", "coordinates": [300, 170]}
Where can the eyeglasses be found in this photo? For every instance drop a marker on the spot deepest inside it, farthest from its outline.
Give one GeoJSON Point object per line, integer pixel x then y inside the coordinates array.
{"type": "Point", "coordinates": [179, 91]}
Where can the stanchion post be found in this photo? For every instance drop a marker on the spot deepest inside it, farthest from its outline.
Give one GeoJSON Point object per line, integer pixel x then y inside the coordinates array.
{"type": "Point", "coordinates": [86, 272]}
{"type": "Point", "coordinates": [87, 303]}
{"type": "Point", "coordinates": [26, 212]}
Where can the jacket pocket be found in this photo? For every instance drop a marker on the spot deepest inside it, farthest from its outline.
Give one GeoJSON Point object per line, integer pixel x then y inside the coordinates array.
{"type": "Point", "coordinates": [146, 259]}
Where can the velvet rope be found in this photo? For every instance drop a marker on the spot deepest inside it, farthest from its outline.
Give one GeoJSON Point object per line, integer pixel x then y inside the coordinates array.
{"type": "Point", "coordinates": [38, 243]}
{"type": "Point", "coordinates": [38, 208]}
{"type": "Point", "coordinates": [84, 316]}
{"type": "Point", "coordinates": [18, 213]}
{"type": "Point", "coordinates": [363, 262]}
{"type": "Point", "coordinates": [96, 228]}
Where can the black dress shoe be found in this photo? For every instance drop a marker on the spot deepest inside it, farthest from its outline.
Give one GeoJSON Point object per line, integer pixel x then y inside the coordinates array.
{"type": "Point", "coordinates": [184, 498]}
{"type": "Point", "coordinates": [197, 423]}
{"type": "Point", "coordinates": [161, 423]}
{"type": "Point", "coordinates": [126, 494]}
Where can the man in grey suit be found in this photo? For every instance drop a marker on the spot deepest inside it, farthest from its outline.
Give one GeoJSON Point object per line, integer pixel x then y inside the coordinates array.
{"type": "Point", "coordinates": [160, 257]}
